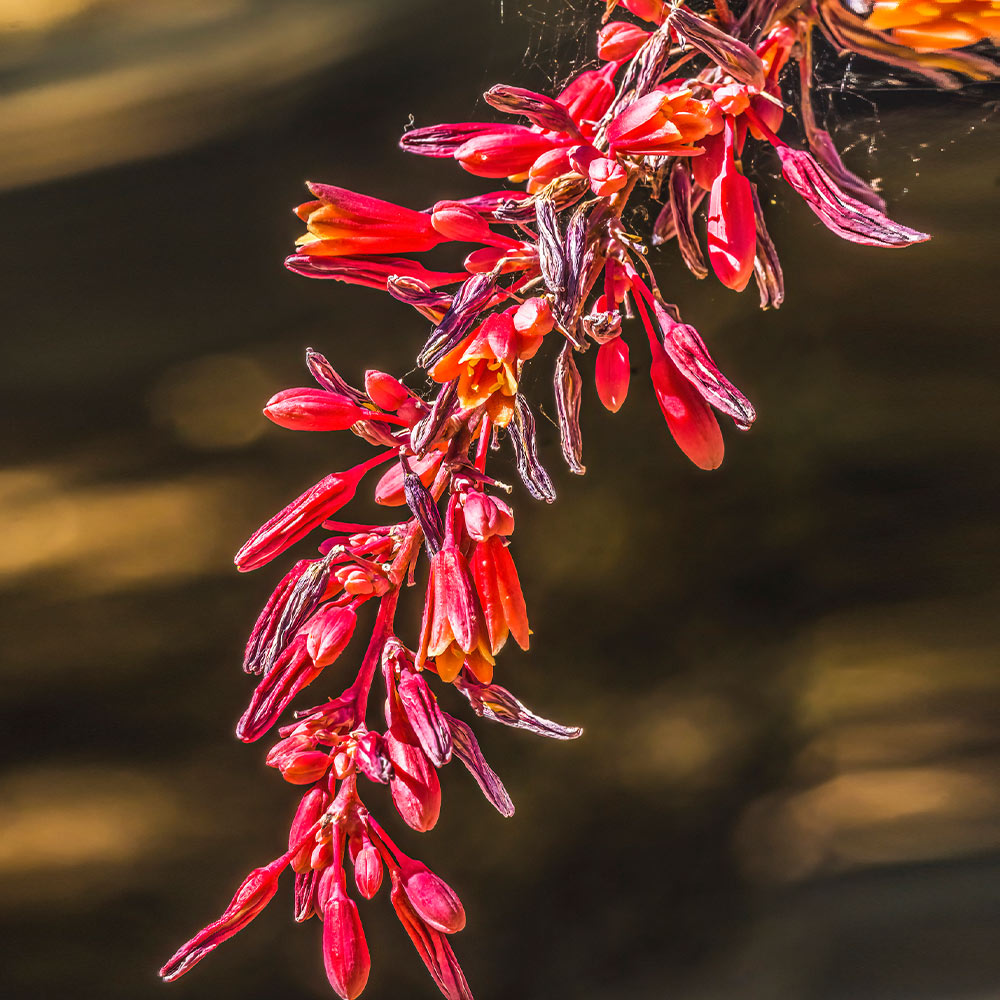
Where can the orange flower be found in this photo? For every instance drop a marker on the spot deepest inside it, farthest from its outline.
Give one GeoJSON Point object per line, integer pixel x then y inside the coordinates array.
{"type": "Point", "coordinates": [932, 25]}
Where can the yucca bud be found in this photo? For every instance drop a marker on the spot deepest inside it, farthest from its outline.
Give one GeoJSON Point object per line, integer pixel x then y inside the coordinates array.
{"type": "Point", "coordinates": [434, 900]}
{"type": "Point", "coordinates": [416, 791]}
{"type": "Point", "coordinates": [368, 870]}
{"type": "Point", "coordinates": [384, 391]}
{"type": "Point", "coordinates": [345, 951]}
{"type": "Point", "coordinates": [328, 632]}
{"type": "Point", "coordinates": [306, 409]}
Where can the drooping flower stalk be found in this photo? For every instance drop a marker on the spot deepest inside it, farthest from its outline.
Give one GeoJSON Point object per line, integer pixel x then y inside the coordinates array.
{"type": "Point", "coordinates": [672, 111]}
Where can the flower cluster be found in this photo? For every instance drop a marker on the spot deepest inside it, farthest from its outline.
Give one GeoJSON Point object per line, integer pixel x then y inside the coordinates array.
{"type": "Point", "coordinates": [672, 110]}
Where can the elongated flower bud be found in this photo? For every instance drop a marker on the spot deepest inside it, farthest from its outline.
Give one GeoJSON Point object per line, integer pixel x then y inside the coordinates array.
{"type": "Point", "coordinates": [302, 515]}
{"type": "Point", "coordinates": [432, 947]}
{"type": "Point", "coordinates": [425, 717]}
{"type": "Point", "coordinates": [368, 871]}
{"type": "Point", "coordinates": [732, 229]}
{"type": "Point", "coordinates": [371, 272]}
{"type": "Point", "coordinates": [252, 896]}
{"type": "Point", "coordinates": [328, 633]}
{"type": "Point", "coordinates": [313, 410]}
{"type": "Point", "coordinates": [502, 154]}
{"type": "Point", "coordinates": [611, 373]}
{"type": "Point", "coordinates": [384, 391]}
{"type": "Point", "coordinates": [682, 213]}
{"type": "Point", "coordinates": [345, 950]}
{"type": "Point", "coordinates": [416, 791]}
{"type": "Point", "coordinates": [312, 805]}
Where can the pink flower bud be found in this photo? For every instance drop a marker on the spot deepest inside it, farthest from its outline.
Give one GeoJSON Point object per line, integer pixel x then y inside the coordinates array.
{"type": "Point", "coordinates": [611, 373]}
{"type": "Point", "coordinates": [298, 760]}
{"type": "Point", "coordinates": [328, 632]}
{"type": "Point", "coordinates": [732, 225]}
{"type": "Point", "coordinates": [368, 871]}
{"type": "Point", "coordinates": [606, 176]}
{"type": "Point", "coordinates": [345, 951]}
{"type": "Point", "coordinates": [460, 223]}
{"type": "Point", "coordinates": [620, 40]}
{"type": "Point", "coordinates": [371, 760]}
{"type": "Point", "coordinates": [307, 409]}
{"type": "Point", "coordinates": [435, 901]}
{"type": "Point", "coordinates": [416, 791]}
{"type": "Point", "coordinates": [648, 10]}
{"type": "Point", "coordinates": [384, 391]}
{"type": "Point", "coordinates": [486, 516]}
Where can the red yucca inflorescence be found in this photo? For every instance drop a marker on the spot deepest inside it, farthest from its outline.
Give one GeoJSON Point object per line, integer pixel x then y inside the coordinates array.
{"type": "Point", "coordinates": [679, 98]}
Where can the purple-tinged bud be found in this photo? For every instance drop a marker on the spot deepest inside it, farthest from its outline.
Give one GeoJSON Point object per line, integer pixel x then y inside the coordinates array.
{"type": "Point", "coordinates": [429, 303]}
{"type": "Point", "coordinates": [345, 951]}
{"type": "Point", "coordinates": [416, 791]}
{"type": "Point", "coordinates": [568, 384]}
{"type": "Point", "coordinates": [425, 434]}
{"type": "Point", "coordinates": [436, 903]}
{"type": "Point", "coordinates": [371, 272]}
{"type": "Point", "coordinates": [443, 140]}
{"type": "Point", "coordinates": [432, 947]}
{"type": "Point", "coordinates": [371, 759]}
{"type": "Point", "coordinates": [732, 55]}
{"type": "Point", "coordinates": [368, 870]}
{"type": "Point", "coordinates": [305, 895]}
{"type": "Point", "coordinates": [296, 598]}
{"type": "Point", "coordinates": [682, 214]}
{"type": "Point", "coordinates": [537, 108]}
{"type": "Point", "coordinates": [312, 805]}
{"type": "Point", "coordinates": [328, 632]}
{"type": "Point", "coordinates": [305, 409]}
{"type": "Point", "coordinates": [839, 212]}
{"type": "Point", "coordinates": [292, 671]}
{"type": "Point", "coordinates": [496, 703]}
{"type": "Point", "coordinates": [522, 435]}
{"type": "Point", "coordinates": [767, 266]}
{"type": "Point", "coordinates": [252, 896]}
{"type": "Point", "coordinates": [689, 355]}
{"type": "Point", "coordinates": [469, 302]}
{"type": "Point", "coordinates": [467, 751]}
{"type": "Point", "coordinates": [328, 378]}
{"type": "Point", "coordinates": [425, 717]}
{"type": "Point", "coordinates": [424, 508]}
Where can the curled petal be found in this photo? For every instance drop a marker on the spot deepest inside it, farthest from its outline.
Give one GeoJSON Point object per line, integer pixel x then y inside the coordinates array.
{"type": "Point", "coordinates": [467, 751]}
{"type": "Point", "coordinates": [522, 435]}
{"type": "Point", "coordinates": [496, 703]}
{"type": "Point", "coordinates": [537, 108]}
{"type": "Point", "coordinates": [568, 383]}
{"type": "Point", "coordinates": [732, 55]}
{"type": "Point", "coordinates": [839, 212]}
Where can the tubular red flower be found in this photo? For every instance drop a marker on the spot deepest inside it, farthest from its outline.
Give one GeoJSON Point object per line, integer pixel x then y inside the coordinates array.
{"type": "Point", "coordinates": [732, 228]}
{"type": "Point", "coordinates": [303, 514]}
{"type": "Point", "coordinates": [345, 951]}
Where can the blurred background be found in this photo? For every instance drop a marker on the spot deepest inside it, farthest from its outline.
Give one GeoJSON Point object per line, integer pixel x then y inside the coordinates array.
{"type": "Point", "coordinates": [786, 670]}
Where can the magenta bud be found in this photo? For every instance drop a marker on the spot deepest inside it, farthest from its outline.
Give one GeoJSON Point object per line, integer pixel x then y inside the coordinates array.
{"type": "Point", "coordinates": [460, 223]}
{"type": "Point", "coordinates": [368, 871]}
{"type": "Point", "coordinates": [425, 717]}
{"type": "Point", "coordinates": [328, 632]}
{"type": "Point", "coordinates": [486, 516]}
{"type": "Point", "coordinates": [434, 900]}
{"type": "Point", "coordinates": [307, 409]}
{"type": "Point", "coordinates": [384, 391]}
{"type": "Point", "coordinates": [345, 951]}
{"type": "Point", "coordinates": [370, 758]}
{"type": "Point", "coordinates": [611, 373]}
{"type": "Point", "coordinates": [416, 791]}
